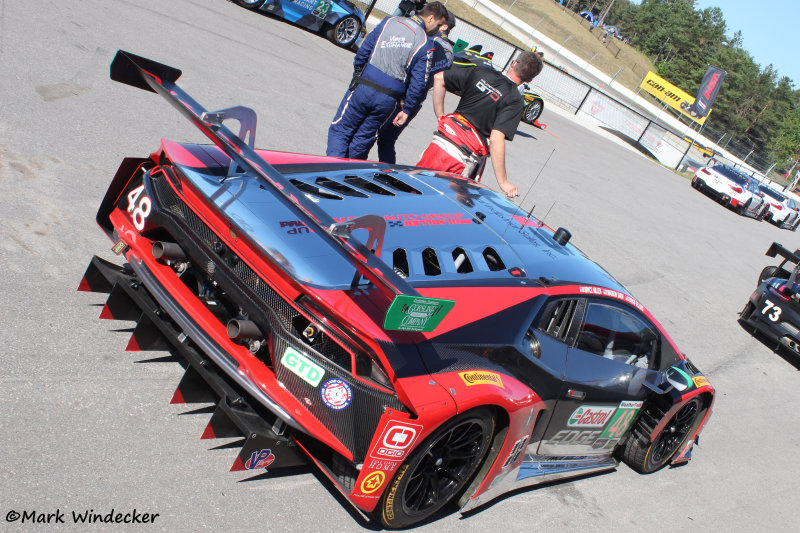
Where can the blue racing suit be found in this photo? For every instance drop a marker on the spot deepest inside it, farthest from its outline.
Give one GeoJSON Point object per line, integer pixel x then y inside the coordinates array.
{"type": "Point", "coordinates": [391, 65]}
{"type": "Point", "coordinates": [388, 134]}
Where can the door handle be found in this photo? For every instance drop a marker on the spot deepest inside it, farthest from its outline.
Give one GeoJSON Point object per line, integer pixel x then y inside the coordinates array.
{"type": "Point", "coordinates": [576, 394]}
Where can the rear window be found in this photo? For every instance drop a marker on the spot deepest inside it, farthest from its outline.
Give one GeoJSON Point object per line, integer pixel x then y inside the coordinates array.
{"type": "Point", "coordinates": [775, 195]}
{"type": "Point", "coordinates": [731, 174]}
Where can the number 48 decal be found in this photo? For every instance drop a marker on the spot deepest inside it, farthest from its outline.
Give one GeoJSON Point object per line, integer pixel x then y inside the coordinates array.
{"type": "Point", "coordinates": [776, 311]}
{"type": "Point", "coordinates": [140, 210]}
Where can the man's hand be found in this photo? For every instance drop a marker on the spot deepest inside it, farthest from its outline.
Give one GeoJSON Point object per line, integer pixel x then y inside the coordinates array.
{"type": "Point", "coordinates": [510, 189]}
{"type": "Point", "coordinates": [497, 149]}
{"type": "Point", "coordinates": [400, 119]}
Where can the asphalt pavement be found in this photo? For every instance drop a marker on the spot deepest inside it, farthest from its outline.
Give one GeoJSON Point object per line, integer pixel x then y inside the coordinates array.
{"type": "Point", "coordinates": [86, 425]}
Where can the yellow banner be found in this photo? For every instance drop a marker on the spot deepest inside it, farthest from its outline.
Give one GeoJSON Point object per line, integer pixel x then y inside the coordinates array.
{"type": "Point", "coordinates": [672, 95]}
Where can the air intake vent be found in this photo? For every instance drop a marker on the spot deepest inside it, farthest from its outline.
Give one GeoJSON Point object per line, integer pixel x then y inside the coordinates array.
{"type": "Point", "coordinates": [361, 183]}
{"type": "Point", "coordinates": [430, 262]}
{"type": "Point", "coordinates": [493, 260]}
{"type": "Point", "coordinates": [341, 188]}
{"type": "Point", "coordinates": [395, 183]}
{"type": "Point", "coordinates": [461, 261]}
{"type": "Point", "coordinates": [558, 317]}
{"type": "Point", "coordinates": [314, 190]}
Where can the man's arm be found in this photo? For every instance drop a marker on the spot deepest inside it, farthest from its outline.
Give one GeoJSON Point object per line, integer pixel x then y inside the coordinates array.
{"type": "Point", "coordinates": [439, 90]}
{"type": "Point", "coordinates": [497, 149]}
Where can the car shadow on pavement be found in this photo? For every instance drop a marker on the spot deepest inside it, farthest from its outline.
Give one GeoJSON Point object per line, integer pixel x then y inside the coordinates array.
{"type": "Point", "coordinates": [530, 488]}
{"type": "Point", "coordinates": [777, 348]}
{"type": "Point", "coordinates": [628, 140]}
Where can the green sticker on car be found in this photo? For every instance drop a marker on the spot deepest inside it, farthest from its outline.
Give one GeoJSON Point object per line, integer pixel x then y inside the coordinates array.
{"type": "Point", "coordinates": [621, 420]}
{"type": "Point", "coordinates": [302, 366]}
{"type": "Point", "coordinates": [415, 313]}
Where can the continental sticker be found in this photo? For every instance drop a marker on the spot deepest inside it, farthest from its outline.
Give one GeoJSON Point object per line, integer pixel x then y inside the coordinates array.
{"type": "Point", "coordinates": [481, 378]}
{"type": "Point", "coordinates": [373, 482]}
{"type": "Point", "coordinates": [700, 381]}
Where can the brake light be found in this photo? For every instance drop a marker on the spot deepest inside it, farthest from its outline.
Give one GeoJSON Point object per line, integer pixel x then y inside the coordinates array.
{"type": "Point", "coordinates": [777, 206]}
{"type": "Point", "coordinates": [735, 188]}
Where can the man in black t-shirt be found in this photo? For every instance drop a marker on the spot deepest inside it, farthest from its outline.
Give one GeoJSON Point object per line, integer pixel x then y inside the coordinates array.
{"type": "Point", "coordinates": [492, 105]}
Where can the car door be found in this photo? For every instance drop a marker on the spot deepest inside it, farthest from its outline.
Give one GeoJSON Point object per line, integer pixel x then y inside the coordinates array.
{"type": "Point", "coordinates": [615, 350]}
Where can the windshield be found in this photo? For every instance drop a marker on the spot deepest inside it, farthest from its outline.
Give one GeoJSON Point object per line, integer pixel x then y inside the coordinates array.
{"type": "Point", "coordinates": [731, 174]}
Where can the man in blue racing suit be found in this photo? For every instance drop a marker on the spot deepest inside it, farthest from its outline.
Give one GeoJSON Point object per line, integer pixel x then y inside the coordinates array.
{"type": "Point", "coordinates": [391, 67]}
{"type": "Point", "coordinates": [442, 60]}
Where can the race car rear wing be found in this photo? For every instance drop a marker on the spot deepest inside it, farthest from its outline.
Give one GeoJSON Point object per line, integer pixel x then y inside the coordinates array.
{"type": "Point", "coordinates": [150, 75]}
{"type": "Point", "coordinates": [777, 249]}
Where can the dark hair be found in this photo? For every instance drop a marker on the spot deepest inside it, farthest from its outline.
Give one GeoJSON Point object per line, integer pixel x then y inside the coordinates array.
{"type": "Point", "coordinates": [451, 20]}
{"type": "Point", "coordinates": [436, 9]}
{"type": "Point", "coordinates": [528, 66]}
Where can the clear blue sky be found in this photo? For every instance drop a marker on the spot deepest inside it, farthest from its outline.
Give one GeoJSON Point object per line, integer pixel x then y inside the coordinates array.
{"type": "Point", "coordinates": [769, 29]}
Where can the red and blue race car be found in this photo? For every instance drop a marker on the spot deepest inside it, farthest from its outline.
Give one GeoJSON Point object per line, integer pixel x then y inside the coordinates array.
{"type": "Point", "coordinates": [416, 336]}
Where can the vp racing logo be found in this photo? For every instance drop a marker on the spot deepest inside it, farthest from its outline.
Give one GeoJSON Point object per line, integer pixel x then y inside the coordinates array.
{"type": "Point", "coordinates": [395, 440]}
{"type": "Point", "coordinates": [484, 87]}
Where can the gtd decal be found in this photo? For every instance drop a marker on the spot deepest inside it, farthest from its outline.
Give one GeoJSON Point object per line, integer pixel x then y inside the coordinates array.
{"type": "Point", "coordinates": [373, 482]}
{"type": "Point", "coordinates": [395, 440]}
{"type": "Point", "coordinates": [260, 459]}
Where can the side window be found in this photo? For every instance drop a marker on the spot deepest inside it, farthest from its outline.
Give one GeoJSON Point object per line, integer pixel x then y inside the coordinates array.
{"type": "Point", "coordinates": [615, 333]}
{"type": "Point", "coordinates": [557, 319]}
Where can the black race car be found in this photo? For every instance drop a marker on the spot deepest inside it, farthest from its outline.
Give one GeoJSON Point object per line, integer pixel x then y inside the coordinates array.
{"type": "Point", "coordinates": [774, 307]}
{"type": "Point", "coordinates": [413, 334]}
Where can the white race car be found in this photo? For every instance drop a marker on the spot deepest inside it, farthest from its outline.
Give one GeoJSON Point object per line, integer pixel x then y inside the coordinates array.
{"type": "Point", "coordinates": [782, 210]}
{"type": "Point", "coordinates": [732, 188]}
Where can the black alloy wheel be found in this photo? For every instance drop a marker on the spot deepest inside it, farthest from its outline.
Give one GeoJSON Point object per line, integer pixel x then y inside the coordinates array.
{"type": "Point", "coordinates": [438, 470]}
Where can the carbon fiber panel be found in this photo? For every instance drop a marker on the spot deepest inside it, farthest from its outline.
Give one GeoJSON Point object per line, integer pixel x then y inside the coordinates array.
{"type": "Point", "coordinates": [354, 424]}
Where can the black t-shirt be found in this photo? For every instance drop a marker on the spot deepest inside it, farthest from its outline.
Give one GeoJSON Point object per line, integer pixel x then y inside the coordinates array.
{"type": "Point", "coordinates": [489, 99]}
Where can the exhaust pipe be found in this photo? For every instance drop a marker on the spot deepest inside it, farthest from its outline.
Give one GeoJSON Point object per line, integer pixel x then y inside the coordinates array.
{"type": "Point", "coordinates": [168, 251]}
{"type": "Point", "coordinates": [243, 329]}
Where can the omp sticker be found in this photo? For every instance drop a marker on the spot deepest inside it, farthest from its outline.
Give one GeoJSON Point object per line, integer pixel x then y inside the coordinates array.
{"type": "Point", "coordinates": [373, 482]}
{"type": "Point", "coordinates": [118, 247]}
{"type": "Point", "coordinates": [395, 440]}
{"type": "Point", "coordinates": [481, 378]}
{"type": "Point", "coordinates": [590, 416]}
{"type": "Point", "coordinates": [305, 368]}
{"type": "Point", "coordinates": [700, 381]}
{"type": "Point", "coordinates": [336, 394]}
{"type": "Point", "coordinates": [411, 313]}
{"type": "Point", "coordinates": [621, 421]}
{"type": "Point", "coordinates": [259, 459]}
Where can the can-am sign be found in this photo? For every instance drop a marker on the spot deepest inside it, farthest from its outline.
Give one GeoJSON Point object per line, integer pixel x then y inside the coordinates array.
{"type": "Point", "coordinates": [674, 96]}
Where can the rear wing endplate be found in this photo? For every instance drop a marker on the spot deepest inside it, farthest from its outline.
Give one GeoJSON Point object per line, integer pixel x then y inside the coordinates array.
{"type": "Point", "coordinates": [150, 75]}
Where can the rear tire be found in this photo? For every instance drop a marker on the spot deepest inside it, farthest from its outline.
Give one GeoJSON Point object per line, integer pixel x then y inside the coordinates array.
{"type": "Point", "coordinates": [438, 470]}
{"type": "Point", "coordinates": [646, 457]}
